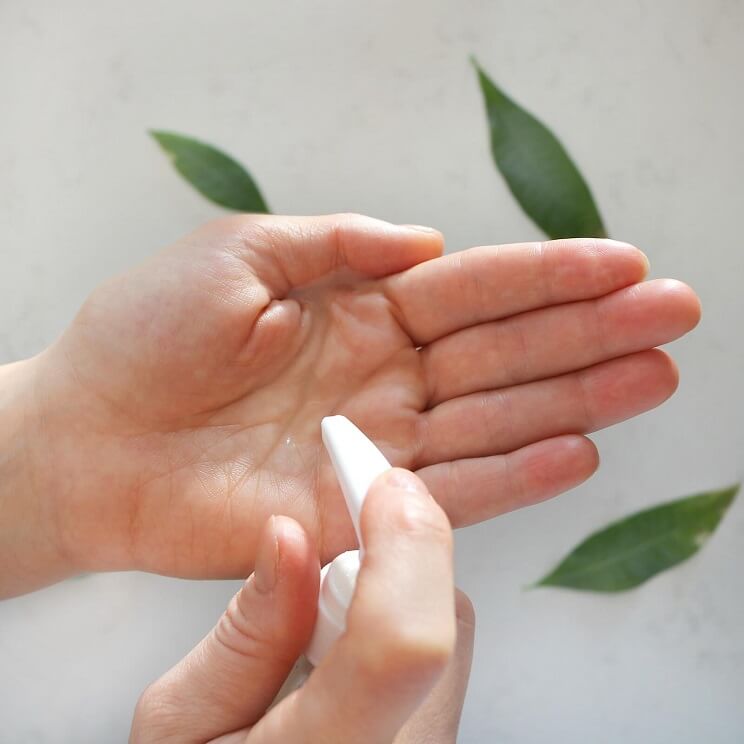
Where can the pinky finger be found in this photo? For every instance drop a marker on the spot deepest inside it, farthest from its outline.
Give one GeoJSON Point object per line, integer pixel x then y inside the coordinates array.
{"type": "Point", "coordinates": [476, 489]}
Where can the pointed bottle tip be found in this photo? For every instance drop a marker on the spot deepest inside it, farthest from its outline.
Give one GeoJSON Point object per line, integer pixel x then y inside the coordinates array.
{"type": "Point", "coordinates": [329, 424]}
{"type": "Point", "coordinates": [356, 461]}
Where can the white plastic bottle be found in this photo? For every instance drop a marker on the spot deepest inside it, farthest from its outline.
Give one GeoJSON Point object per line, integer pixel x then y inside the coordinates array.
{"type": "Point", "coordinates": [357, 462]}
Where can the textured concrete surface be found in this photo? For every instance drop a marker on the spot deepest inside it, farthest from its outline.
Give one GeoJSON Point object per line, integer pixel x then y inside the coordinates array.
{"type": "Point", "coordinates": [373, 107]}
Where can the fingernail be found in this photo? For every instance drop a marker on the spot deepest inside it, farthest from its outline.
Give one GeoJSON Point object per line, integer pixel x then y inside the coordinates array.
{"type": "Point", "coordinates": [629, 247]}
{"type": "Point", "coordinates": [405, 480]}
{"type": "Point", "coordinates": [267, 559]}
{"type": "Point", "coordinates": [420, 228]}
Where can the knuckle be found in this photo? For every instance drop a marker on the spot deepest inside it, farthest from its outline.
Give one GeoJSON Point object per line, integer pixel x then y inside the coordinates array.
{"type": "Point", "coordinates": [349, 219]}
{"type": "Point", "coordinates": [242, 632]}
{"type": "Point", "coordinates": [421, 517]}
{"type": "Point", "coordinates": [414, 655]}
{"type": "Point", "coordinates": [344, 226]}
{"type": "Point", "coordinates": [421, 437]}
{"type": "Point", "coordinates": [237, 632]}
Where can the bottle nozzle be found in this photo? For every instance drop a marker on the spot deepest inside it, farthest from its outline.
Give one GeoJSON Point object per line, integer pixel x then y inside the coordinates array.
{"type": "Point", "coordinates": [356, 460]}
{"type": "Point", "coordinates": [357, 463]}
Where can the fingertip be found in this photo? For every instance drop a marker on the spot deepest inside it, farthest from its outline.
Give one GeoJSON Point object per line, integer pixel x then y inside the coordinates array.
{"type": "Point", "coordinates": [293, 540]}
{"type": "Point", "coordinates": [379, 248]}
{"type": "Point", "coordinates": [667, 372]}
{"type": "Point", "coordinates": [673, 372]}
{"type": "Point", "coordinates": [648, 378]}
{"type": "Point", "coordinates": [298, 566]}
{"type": "Point", "coordinates": [555, 465]}
{"type": "Point", "coordinates": [686, 302]}
{"type": "Point", "coordinates": [464, 610]}
{"type": "Point", "coordinates": [583, 268]}
{"type": "Point", "coordinates": [585, 455]}
{"type": "Point", "coordinates": [417, 244]}
{"type": "Point", "coordinates": [429, 240]}
{"type": "Point", "coordinates": [422, 229]}
{"type": "Point", "coordinates": [634, 262]}
{"type": "Point", "coordinates": [628, 386]}
{"type": "Point", "coordinates": [465, 616]}
{"type": "Point", "coordinates": [287, 568]}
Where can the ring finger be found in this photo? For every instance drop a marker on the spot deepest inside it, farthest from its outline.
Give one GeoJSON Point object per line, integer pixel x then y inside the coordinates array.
{"type": "Point", "coordinates": [499, 421]}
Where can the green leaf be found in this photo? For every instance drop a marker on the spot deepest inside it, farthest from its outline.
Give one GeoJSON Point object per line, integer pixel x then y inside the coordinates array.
{"type": "Point", "coordinates": [537, 169]}
{"type": "Point", "coordinates": [631, 551]}
{"type": "Point", "coordinates": [213, 173]}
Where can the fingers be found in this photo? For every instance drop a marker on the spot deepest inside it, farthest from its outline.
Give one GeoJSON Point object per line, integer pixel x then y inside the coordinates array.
{"type": "Point", "coordinates": [437, 719]}
{"type": "Point", "coordinates": [479, 488]}
{"type": "Point", "coordinates": [287, 252]}
{"type": "Point", "coordinates": [500, 421]}
{"type": "Point", "coordinates": [400, 628]}
{"type": "Point", "coordinates": [559, 339]}
{"type": "Point", "coordinates": [232, 676]}
{"type": "Point", "coordinates": [487, 283]}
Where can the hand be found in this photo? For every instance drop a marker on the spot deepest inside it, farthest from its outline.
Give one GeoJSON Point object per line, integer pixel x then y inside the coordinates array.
{"type": "Point", "coordinates": [380, 675]}
{"type": "Point", "coordinates": [182, 406]}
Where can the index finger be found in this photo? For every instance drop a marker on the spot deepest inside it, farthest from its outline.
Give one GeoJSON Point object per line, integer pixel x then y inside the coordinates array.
{"type": "Point", "coordinates": [483, 284]}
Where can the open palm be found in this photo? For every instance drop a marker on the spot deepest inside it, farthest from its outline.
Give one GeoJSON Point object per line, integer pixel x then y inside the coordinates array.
{"type": "Point", "coordinates": [182, 407]}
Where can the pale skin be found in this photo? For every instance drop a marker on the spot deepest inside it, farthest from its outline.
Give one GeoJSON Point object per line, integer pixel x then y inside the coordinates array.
{"type": "Point", "coordinates": [181, 410]}
{"type": "Point", "coordinates": [181, 407]}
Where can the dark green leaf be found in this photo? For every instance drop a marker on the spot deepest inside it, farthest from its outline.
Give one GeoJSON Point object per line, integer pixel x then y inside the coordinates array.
{"type": "Point", "coordinates": [537, 169]}
{"type": "Point", "coordinates": [213, 173]}
{"type": "Point", "coordinates": [628, 552]}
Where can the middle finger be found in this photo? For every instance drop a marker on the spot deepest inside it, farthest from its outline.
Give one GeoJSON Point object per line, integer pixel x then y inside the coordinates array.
{"type": "Point", "coordinates": [558, 339]}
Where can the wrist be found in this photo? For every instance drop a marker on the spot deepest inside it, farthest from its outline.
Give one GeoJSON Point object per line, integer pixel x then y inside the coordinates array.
{"type": "Point", "coordinates": [31, 554]}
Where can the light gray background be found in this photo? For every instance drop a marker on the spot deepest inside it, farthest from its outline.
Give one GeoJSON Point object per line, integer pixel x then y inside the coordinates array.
{"type": "Point", "coordinates": [372, 107]}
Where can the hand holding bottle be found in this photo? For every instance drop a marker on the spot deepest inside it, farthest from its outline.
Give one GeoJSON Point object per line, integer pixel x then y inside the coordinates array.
{"type": "Point", "coordinates": [398, 674]}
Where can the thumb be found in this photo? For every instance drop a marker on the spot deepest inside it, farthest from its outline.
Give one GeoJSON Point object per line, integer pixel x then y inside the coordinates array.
{"type": "Point", "coordinates": [232, 676]}
{"type": "Point", "coordinates": [288, 252]}
{"type": "Point", "coordinates": [400, 632]}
